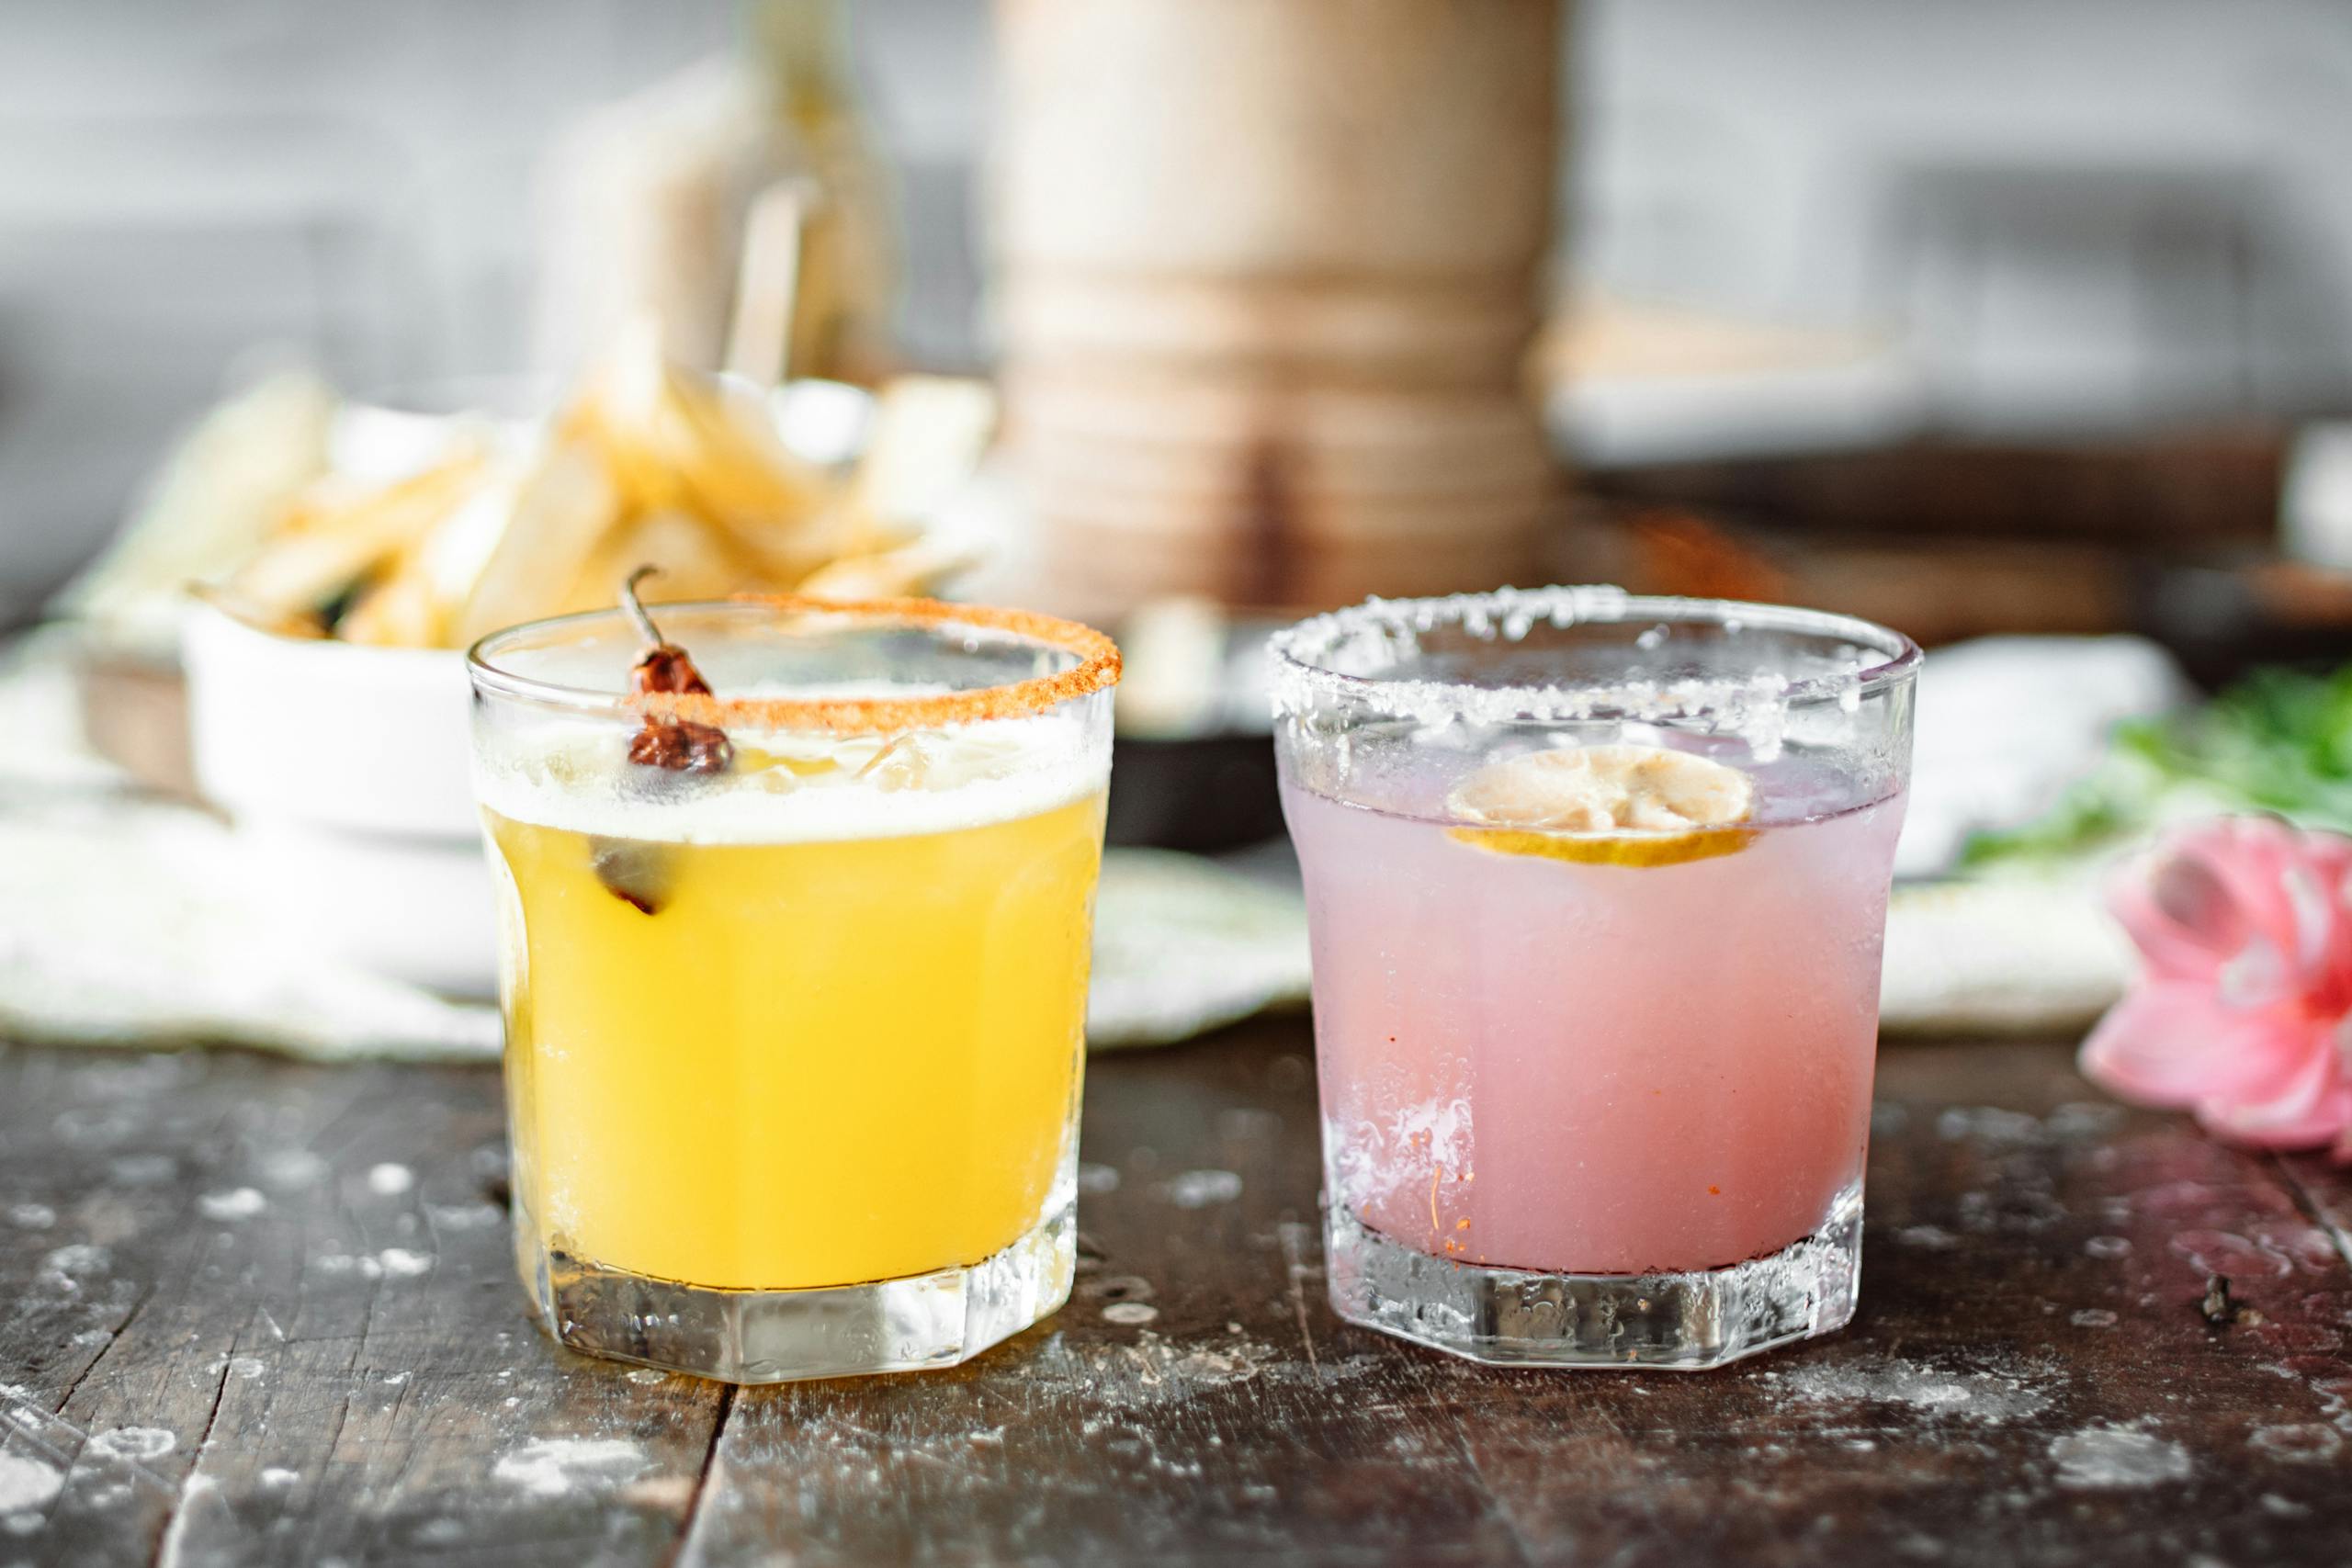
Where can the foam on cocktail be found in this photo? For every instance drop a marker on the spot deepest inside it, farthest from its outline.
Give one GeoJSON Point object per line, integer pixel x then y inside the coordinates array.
{"type": "Point", "coordinates": [802, 787]}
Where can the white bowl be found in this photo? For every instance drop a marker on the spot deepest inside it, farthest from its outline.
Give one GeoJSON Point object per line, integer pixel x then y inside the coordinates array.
{"type": "Point", "coordinates": [346, 770]}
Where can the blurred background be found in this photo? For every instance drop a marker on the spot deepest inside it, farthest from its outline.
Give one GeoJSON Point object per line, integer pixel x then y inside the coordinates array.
{"type": "Point", "coordinates": [2082, 227]}
{"type": "Point", "coordinates": [2026, 327]}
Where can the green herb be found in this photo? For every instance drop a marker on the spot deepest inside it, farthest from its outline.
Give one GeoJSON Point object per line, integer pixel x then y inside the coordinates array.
{"type": "Point", "coordinates": [2281, 741]}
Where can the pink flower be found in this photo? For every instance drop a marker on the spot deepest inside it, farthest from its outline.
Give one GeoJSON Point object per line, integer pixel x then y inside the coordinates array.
{"type": "Point", "coordinates": [2240, 1012]}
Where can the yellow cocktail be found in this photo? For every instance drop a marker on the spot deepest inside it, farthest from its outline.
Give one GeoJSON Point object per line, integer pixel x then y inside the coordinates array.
{"type": "Point", "coordinates": [842, 1028]}
{"type": "Point", "coordinates": [794, 1040]}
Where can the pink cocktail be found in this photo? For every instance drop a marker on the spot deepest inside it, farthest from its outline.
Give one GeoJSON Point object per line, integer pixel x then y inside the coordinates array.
{"type": "Point", "coordinates": [1596, 887]}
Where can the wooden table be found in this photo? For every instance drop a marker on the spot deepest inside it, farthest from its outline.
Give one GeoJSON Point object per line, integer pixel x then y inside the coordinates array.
{"type": "Point", "coordinates": [260, 1313]}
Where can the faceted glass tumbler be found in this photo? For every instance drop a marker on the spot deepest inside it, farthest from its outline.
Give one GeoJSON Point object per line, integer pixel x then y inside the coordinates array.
{"type": "Point", "coordinates": [794, 975]}
{"type": "Point", "coordinates": [1595, 1066]}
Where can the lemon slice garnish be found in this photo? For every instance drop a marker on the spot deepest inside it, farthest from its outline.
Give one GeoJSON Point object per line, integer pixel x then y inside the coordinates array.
{"type": "Point", "coordinates": [1624, 848]}
{"type": "Point", "coordinates": [1635, 806]}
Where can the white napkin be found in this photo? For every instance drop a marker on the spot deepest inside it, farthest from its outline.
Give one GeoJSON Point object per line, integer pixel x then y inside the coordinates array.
{"type": "Point", "coordinates": [124, 920]}
{"type": "Point", "coordinates": [2005, 723]}
{"type": "Point", "coordinates": [121, 922]}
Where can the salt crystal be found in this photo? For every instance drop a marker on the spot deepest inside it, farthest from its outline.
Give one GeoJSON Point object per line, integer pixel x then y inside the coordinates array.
{"type": "Point", "coordinates": [26, 1483]}
{"type": "Point", "coordinates": [132, 1443]}
{"type": "Point", "coordinates": [1200, 1189]}
{"type": "Point", "coordinates": [549, 1467]}
{"type": "Point", "coordinates": [237, 1203]}
{"type": "Point", "coordinates": [390, 1180]}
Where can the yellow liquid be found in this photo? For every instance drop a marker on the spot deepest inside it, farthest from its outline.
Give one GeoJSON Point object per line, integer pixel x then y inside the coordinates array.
{"type": "Point", "coordinates": [814, 1064]}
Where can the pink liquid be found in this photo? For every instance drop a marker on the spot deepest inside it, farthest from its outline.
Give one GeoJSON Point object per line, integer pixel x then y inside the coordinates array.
{"type": "Point", "coordinates": [1596, 1070]}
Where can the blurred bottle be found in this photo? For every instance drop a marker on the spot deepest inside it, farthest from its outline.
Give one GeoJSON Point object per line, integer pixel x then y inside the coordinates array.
{"type": "Point", "coordinates": [848, 264]}
{"type": "Point", "coordinates": [744, 204]}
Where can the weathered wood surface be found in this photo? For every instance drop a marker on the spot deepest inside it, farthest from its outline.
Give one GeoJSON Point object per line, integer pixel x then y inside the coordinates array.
{"type": "Point", "coordinates": [261, 1313]}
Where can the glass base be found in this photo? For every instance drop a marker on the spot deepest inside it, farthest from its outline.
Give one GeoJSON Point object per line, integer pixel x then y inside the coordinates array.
{"type": "Point", "coordinates": [1681, 1322]}
{"type": "Point", "coordinates": [765, 1336]}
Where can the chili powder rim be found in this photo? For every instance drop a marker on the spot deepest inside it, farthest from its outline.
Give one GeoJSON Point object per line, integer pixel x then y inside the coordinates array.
{"type": "Point", "coordinates": [1098, 670]}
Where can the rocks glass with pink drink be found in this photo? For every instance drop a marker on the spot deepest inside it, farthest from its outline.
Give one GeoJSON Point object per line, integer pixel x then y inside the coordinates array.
{"type": "Point", "coordinates": [1597, 886]}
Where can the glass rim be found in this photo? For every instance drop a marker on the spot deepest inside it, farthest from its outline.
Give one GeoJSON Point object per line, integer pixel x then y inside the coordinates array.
{"type": "Point", "coordinates": [1097, 669]}
{"type": "Point", "coordinates": [1300, 650]}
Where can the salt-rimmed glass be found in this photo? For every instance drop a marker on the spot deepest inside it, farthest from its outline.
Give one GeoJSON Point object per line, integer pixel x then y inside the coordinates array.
{"type": "Point", "coordinates": [1596, 1098]}
{"type": "Point", "coordinates": [794, 1047]}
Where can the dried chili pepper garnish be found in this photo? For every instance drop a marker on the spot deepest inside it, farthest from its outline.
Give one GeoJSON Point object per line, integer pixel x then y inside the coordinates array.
{"type": "Point", "coordinates": [665, 668]}
{"type": "Point", "coordinates": [640, 874]}
{"type": "Point", "coordinates": [681, 748]}
{"type": "Point", "coordinates": [636, 873]}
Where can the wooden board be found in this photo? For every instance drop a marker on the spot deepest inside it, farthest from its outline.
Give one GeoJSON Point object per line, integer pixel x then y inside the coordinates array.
{"type": "Point", "coordinates": [263, 1313]}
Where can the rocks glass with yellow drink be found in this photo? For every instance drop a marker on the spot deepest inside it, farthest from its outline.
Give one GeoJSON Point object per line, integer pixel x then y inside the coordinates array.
{"type": "Point", "coordinates": [796, 904]}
